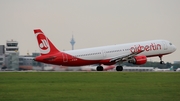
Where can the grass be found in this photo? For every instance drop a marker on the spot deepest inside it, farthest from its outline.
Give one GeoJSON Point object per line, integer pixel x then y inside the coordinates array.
{"type": "Point", "coordinates": [89, 86]}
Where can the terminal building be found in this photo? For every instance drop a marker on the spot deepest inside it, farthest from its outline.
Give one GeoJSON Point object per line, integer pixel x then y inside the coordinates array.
{"type": "Point", "coordinates": [2, 55]}
{"type": "Point", "coordinates": [141, 69]}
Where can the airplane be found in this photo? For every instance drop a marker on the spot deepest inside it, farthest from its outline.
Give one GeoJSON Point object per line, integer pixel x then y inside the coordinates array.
{"type": "Point", "coordinates": [135, 53]}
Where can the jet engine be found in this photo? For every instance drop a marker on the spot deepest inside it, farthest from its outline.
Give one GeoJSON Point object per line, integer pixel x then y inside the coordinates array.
{"type": "Point", "coordinates": [138, 60]}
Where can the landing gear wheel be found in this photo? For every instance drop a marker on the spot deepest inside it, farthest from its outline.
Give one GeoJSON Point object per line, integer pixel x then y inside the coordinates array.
{"type": "Point", "coordinates": [99, 68]}
{"type": "Point", "coordinates": [161, 62]}
{"type": "Point", "coordinates": [119, 68]}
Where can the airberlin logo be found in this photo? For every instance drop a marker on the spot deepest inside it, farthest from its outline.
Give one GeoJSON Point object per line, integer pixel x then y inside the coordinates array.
{"type": "Point", "coordinates": [43, 43]}
{"type": "Point", "coordinates": [152, 46]}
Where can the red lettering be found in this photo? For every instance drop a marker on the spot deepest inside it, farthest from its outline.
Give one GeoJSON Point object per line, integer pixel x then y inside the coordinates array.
{"type": "Point", "coordinates": [155, 47]}
{"type": "Point", "coordinates": [146, 48]}
{"type": "Point", "coordinates": [150, 47]}
{"type": "Point", "coordinates": [139, 48]}
{"type": "Point", "coordinates": [132, 50]}
{"type": "Point", "coordinates": [158, 46]}
{"type": "Point", "coordinates": [136, 48]}
{"type": "Point", "coordinates": [142, 48]}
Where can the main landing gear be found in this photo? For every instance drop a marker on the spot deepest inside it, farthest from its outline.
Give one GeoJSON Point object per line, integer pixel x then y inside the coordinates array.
{"type": "Point", "coordinates": [161, 62]}
{"type": "Point", "coordinates": [100, 68]}
{"type": "Point", "coordinates": [119, 68]}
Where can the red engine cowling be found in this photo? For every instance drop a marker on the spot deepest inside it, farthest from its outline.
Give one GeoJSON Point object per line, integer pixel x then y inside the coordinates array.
{"type": "Point", "coordinates": [138, 60]}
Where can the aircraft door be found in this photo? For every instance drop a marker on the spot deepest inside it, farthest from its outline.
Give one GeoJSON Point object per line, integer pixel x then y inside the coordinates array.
{"type": "Point", "coordinates": [165, 45]}
{"type": "Point", "coordinates": [104, 53]}
{"type": "Point", "coordinates": [65, 58]}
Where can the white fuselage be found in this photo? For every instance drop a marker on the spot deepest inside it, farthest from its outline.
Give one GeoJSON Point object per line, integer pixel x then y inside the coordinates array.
{"type": "Point", "coordinates": [151, 48]}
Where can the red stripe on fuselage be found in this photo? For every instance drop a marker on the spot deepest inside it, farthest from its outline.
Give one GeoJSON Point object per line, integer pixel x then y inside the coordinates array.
{"type": "Point", "coordinates": [65, 60]}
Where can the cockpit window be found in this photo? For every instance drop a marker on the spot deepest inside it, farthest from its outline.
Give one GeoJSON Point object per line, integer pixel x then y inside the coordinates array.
{"type": "Point", "coordinates": [170, 43]}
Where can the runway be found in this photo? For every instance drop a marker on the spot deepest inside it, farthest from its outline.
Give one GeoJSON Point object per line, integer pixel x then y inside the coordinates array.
{"type": "Point", "coordinates": [85, 71]}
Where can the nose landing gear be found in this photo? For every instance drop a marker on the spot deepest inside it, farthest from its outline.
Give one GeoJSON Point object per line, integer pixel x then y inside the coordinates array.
{"type": "Point", "coordinates": [161, 62]}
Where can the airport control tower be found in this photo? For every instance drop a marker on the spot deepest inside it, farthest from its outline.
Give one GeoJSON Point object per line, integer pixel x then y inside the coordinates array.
{"type": "Point", "coordinates": [72, 42]}
{"type": "Point", "coordinates": [12, 55]}
{"type": "Point", "coordinates": [11, 46]}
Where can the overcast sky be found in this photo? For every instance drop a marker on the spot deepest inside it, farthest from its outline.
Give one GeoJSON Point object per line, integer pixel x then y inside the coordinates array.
{"type": "Point", "coordinates": [92, 22]}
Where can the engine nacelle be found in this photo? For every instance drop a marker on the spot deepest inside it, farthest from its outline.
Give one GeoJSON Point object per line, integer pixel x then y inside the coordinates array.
{"type": "Point", "coordinates": [138, 60]}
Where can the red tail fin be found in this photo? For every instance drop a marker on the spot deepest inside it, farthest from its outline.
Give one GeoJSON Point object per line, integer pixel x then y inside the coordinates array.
{"type": "Point", "coordinates": [45, 45]}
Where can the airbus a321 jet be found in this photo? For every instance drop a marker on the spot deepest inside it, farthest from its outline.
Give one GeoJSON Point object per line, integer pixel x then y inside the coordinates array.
{"type": "Point", "coordinates": [135, 53]}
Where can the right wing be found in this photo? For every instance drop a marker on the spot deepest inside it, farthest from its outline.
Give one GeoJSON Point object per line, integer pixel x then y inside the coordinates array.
{"type": "Point", "coordinates": [125, 57]}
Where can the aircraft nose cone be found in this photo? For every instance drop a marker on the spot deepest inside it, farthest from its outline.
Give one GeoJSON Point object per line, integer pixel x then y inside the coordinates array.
{"type": "Point", "coordinates": [174, 48]}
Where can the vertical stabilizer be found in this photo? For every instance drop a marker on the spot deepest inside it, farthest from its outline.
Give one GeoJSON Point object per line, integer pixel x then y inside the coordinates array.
{"type": "Point", "coordinates": [45, 45]}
